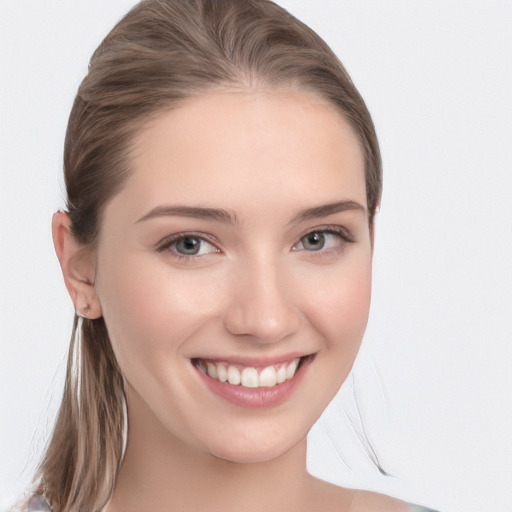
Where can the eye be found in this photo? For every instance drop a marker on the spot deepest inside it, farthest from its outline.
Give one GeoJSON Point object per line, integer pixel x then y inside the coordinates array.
{"type": "Point", "coordinates": [323, 240]}
{"type": "Point", "coordinates": [190, 245]}
{"type": "Point", "coordinates": [313, 241]}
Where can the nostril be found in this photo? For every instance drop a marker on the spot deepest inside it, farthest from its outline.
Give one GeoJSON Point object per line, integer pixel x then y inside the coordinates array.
{"type": "Point", "coordinates": [258, 322]}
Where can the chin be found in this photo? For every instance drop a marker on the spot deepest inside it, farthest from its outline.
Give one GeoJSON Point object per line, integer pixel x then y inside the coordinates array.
{"type": "Point", "coordinates": [254, 450]}
{"type": "Point", "coordinates": [249, 457]}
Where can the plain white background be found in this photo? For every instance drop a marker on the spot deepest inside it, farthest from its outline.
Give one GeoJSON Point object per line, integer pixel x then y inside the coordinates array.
{"type": "Point", "coordinates": [434, 379]}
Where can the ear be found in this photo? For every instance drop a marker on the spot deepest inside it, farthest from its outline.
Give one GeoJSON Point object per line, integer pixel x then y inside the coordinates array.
{"type": "Point", "coordinates": [77, 263]}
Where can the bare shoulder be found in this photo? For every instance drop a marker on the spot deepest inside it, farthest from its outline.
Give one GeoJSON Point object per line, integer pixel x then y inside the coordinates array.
{"type": "Point", "coordinates": [368, 501]}
{"type": "Point", "coordinates": [332, 498]}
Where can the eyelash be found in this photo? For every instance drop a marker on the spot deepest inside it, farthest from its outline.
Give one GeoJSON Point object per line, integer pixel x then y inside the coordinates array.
{"type": "Point", "coordinates": [168, 244]}
{"type": "Point", "coordinates": [342, 233]}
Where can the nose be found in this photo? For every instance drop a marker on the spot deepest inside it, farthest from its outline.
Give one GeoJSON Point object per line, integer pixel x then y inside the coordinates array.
{"type": "Point", "coordinates": [262, 305]}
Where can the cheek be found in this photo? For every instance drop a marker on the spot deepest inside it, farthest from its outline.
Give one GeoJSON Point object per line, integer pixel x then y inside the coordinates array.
{"type": "Point", "coordinates": [147, 310]}
{"type": "Point", "coordinates": [152, 309]}
{"type": "Point", "coordinates": [340, 315]}
{"type": "Point", "coordinates": [340, 307]}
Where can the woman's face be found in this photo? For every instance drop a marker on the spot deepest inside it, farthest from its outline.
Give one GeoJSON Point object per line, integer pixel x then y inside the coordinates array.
{"type": "Point", "coordinates": [238, 248]}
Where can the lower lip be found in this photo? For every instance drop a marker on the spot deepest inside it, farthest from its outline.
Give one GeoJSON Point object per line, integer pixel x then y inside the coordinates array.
{"type": "Point", "coordinates": [255, 398]}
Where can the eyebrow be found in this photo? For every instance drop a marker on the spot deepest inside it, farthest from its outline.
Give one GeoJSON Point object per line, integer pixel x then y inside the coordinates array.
{"type": "Point", "coordinates": [196, 212]}
{"type": "Point", "coordinates": [327, 209]}
{"type": "Point", "coordinates": [227, 217]}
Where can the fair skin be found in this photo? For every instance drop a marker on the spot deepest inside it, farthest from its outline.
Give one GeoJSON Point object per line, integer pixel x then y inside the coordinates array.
{"type": "Point", "coordinates": [240, 239]}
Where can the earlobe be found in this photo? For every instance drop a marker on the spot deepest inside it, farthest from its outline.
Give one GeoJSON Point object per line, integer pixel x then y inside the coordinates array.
{"type": "Point", "coordinates": [78, 267]}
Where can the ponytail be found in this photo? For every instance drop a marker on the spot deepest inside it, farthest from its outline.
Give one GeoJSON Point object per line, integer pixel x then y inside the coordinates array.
{"type": "Point", "coordinates": [79, 469]}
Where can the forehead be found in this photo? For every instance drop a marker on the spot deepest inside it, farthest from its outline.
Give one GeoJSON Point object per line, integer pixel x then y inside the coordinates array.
{"type": "Point", "coordinates": [233, 146]}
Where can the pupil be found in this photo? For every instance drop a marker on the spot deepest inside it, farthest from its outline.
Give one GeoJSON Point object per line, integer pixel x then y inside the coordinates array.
{"type": "Point", "coordinates": [188, 245]}
{"type": "Point", "coordinates": [314, 241]}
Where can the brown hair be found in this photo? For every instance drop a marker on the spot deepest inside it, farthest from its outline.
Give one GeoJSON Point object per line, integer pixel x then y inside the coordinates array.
{"type": "Point", "coordinates": [161, 53]}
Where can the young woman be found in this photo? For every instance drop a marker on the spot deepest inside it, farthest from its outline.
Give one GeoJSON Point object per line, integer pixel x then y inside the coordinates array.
{"type": "Point", "coordinates": [222, 177]}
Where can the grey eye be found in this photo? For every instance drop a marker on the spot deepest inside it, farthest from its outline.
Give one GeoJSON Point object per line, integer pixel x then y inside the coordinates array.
{"type": "Point", "coordinates": [188, 245]}
{"type": "Point", "coordinates": [313, 241]}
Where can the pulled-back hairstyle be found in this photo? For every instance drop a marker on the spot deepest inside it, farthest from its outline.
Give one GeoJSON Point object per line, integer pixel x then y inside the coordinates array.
{"type": "Point", "coordinates": [161, 53]}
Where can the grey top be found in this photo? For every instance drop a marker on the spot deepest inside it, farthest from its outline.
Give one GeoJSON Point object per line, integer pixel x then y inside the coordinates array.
{"type": "Point", "coordinates": [39, 504]}
{"type": "Point", "coordinates": [419, 508]}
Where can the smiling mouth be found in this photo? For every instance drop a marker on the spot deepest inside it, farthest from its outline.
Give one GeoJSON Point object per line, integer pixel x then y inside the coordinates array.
{"type": "Point", "coordinates": [249, 376]}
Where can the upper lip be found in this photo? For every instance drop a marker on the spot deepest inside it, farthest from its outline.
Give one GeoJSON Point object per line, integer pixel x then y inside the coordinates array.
{"type": "Point", "coordinates": [253, 360]}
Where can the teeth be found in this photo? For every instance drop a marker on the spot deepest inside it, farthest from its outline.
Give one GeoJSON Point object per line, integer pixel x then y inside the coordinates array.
{"type": "Point", "coordinates": [249, 377]}
{"type": "Point", "coordinates": [267, 377]}
{"type": "Point", "coordinates": [281, 374]}
{"type": "Point", "coordinates": [222, 373]}
{"type": "Point", "coordinates": [212, 370]}
{"type": "Point", "coordinates": [291, 368]}
{"type": "Point", "coordinates": [234, 375]}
